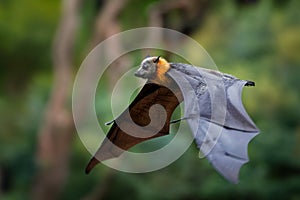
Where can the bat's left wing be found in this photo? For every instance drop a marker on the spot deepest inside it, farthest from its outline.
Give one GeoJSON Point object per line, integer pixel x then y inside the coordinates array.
{"type": "Point", "coordinates": [134, 125]}
{"type": "Point", "coordinates": [214, 110]}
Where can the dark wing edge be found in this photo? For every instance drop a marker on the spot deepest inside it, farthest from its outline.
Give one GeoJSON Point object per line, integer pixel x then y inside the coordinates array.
{"type": "Point", "coordinates": [117, 141]}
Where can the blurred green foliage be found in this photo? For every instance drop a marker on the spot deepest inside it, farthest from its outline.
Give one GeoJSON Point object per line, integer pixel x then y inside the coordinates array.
{"type": "Point", "coordinates": [258, 41]}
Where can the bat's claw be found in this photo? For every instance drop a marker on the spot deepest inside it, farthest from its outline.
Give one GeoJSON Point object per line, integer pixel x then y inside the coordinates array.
{"type": "Point", "coordinates": [250, 83]}
{"type": "Point", "coordinates": [109, 123]}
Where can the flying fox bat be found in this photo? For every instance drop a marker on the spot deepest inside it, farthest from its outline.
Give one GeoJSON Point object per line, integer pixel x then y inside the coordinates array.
{"type": "Point", "coordinates": [212, 106]}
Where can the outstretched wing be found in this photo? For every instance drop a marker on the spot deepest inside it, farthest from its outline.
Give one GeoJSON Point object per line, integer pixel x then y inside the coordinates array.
{"type": "Point", "coordinates": [219, 122]}
{"type": "Point", "coordinates": [135, 122]}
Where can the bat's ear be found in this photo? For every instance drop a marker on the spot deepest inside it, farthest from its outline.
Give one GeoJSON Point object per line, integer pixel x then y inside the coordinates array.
{"type": "Point", "coordinates": [157, 59]}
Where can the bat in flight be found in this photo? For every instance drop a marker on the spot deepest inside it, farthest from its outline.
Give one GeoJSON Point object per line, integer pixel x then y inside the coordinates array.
{"type": "Point", "coordinates": [213, 109]}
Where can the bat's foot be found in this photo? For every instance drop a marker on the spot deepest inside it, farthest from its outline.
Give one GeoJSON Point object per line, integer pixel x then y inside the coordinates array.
{"type": "Point", "coordinates": [250, 83]}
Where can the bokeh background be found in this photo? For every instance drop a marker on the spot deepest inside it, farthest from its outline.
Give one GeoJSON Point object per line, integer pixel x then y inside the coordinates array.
{"type": "Point", "coordinates": [42, 44]}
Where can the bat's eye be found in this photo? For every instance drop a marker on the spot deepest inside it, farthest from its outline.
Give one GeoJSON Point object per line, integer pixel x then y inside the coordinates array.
{"type": "Point", "coordinates": [145, 67]}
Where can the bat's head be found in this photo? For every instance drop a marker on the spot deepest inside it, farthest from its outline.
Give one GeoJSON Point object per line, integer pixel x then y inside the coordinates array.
{"type": "Point", "coordinates": [153, 68]}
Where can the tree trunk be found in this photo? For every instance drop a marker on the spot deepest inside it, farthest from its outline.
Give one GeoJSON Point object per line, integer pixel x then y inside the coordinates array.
{"type": "Point", "coordinates": [55, 135]}
{"type": "Point", "coordinates": [107, 23]}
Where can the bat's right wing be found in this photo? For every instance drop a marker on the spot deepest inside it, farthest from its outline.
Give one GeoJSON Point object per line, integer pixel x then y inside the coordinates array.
{"type": "Point", "coordinates": [217, 117]}
{"type": "Point", "coordinates": [226, 142]}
